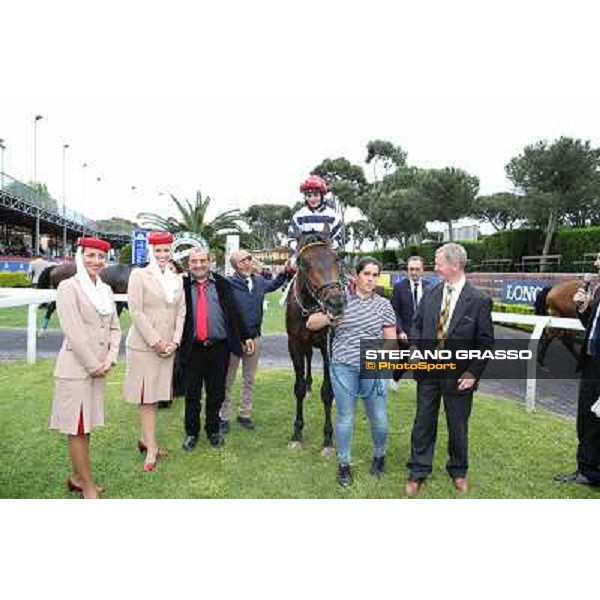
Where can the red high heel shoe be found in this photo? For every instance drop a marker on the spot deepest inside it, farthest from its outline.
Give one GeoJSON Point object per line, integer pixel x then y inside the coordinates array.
{"type": "Point", "coordinates": [150, 466]}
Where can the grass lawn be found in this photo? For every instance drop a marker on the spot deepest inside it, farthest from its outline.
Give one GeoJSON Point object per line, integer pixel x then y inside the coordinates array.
{"type": "Point", "coordinates": [513, 454]}
{"type": "Point", "coordinates": [274, 317]}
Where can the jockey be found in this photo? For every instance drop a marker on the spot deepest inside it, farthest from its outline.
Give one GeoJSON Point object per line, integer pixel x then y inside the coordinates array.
{"type": "Point", "coordinates": [315, 215]}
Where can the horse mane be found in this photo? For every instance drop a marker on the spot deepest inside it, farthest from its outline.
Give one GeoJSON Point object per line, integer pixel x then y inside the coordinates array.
{"type": "Point", "coordinates": [313, 237]}
{"type": "Point", "coordinates": [44, 278]}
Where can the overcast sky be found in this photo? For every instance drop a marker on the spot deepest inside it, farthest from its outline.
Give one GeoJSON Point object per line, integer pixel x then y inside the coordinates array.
{"type": "Point", "coordinates": [241, 99]}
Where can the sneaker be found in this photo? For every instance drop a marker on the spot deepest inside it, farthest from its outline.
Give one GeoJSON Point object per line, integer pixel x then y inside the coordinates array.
{"type": "Point", "coordinates": [378, 466]}
{"type": "Point", "coordinates": [344, 475]}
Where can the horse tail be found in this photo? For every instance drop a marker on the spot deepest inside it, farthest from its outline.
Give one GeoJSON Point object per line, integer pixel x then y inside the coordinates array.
{"type": "Point", "coordinates": [44, 282]}
{"type": "Point", "coordinates": [539, 306]}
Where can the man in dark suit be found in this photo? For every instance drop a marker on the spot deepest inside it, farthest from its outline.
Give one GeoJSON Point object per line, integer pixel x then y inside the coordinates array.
{"type": "Point", "coordinates": [406, 299]}
{"type": "Point", "coordinates": [452, 315]}
{"type": "Point", "coordinates": [212, 330]}
{"type": "Point", "coordinates": [588, 422]}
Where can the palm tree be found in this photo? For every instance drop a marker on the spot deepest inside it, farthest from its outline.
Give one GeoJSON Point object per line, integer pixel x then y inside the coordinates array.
{"type": "Point", "coordinates": [192, 218]}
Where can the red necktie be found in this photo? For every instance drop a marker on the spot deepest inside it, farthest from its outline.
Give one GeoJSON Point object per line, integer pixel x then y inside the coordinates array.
{"type": "Point", "coordinates": [201, 312]}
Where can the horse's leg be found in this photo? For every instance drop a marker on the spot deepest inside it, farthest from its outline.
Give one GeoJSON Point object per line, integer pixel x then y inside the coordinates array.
{"type": "Point", "coordinates": [569, 343]}
{"type": "Point", "coordinates": [298, 359]}
{"type": "Point", "coordinates": [309, 372]}
{"type": "Point", "coordinates": [49, 312]}
{"type": "Point", "coordinates": [543, 346]}
{"type": "Point", "coordinates": [327, 399]}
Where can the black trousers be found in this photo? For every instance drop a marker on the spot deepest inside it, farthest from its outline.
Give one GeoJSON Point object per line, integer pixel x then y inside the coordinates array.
{"type": "Point", "coordinates": [457, 406]}
{"type": "Point", "coordinates": [206, 366]}
{"type": "Point", "coordinates": [397, 375]}
{"type": "Point", "coordinates": [588, 424]}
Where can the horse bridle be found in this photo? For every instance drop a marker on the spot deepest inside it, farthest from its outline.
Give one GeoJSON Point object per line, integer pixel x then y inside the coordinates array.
{"type": "Point", "coordinates": [315, 292]}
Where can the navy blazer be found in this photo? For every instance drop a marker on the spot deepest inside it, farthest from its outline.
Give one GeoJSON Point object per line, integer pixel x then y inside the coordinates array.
{"type": "Point", "coordinates": [402, 301]}
{"type": "Point", "coordinates": [250, 303]}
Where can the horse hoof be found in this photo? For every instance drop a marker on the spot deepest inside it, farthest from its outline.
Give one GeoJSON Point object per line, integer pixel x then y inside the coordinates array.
{"type": "Point", "coordinates": [293, 445]}
{"type": "Point", "coordinates": [328, 452]}
{"type": "Point", "coordinates": [41, 333]}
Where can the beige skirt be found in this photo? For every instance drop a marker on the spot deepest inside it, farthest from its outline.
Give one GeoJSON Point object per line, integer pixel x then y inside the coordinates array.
{"type": "Point", "coordinates": [148, 377]}
{"type": "Point", "coordinates": [78, 405]}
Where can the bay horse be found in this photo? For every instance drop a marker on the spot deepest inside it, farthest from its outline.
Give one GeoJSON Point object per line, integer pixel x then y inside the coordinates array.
{"type": "Point", "coordinates": [557, 301]}
{"type": "Point", "coordinates": [316, 287]}
{"type": "Point", "coordinates": [116, 276]}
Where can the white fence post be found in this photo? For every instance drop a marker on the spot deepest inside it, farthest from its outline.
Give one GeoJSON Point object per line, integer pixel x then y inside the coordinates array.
{"type": "Point", "coordinates": [32, 333]}
{"type": "Point", "coordinates": [534, 343]}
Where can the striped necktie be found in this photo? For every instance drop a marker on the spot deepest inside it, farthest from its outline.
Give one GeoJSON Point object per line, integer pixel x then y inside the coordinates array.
{"type": "Point", "coordinates": [442, 327]}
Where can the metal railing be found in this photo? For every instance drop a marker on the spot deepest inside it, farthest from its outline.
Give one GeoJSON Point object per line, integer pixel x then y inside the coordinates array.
{"type": "Point", "coordinates": [16, 189]}
{"type": "Point", "coordinates": [10, 297]}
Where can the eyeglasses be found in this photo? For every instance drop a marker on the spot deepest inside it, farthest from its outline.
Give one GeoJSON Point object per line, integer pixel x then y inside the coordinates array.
{"type": "Point", "coordinates": [310, 193]}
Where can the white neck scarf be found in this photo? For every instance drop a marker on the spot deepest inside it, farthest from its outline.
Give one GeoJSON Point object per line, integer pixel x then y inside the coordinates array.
{"type": "Point", "coordinates": [98, 293]}
{"type": "Point", "coordinates": [167, 279]}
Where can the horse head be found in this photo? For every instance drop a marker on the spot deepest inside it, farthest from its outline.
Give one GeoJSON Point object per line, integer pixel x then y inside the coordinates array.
{"type": "Point", "coordinates": [319, 273]}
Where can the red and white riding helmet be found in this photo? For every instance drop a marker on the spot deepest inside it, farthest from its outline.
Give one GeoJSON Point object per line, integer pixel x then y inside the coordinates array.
{"type": "Point", "coordinates": [314, 183]}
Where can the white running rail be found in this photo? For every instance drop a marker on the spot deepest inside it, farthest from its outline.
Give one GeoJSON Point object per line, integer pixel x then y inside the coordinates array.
{"type": "Point", "coordinates": [33, 298]}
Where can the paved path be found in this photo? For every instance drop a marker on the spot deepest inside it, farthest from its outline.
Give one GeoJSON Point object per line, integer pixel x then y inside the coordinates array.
{"type": "Point", "coordinates": [559, 395]}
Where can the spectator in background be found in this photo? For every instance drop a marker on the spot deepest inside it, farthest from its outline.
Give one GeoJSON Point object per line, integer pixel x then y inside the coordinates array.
{"type": "Point", "coordinates": [249, 292]}
{"type": "Point", "coordinates": [405, 301]}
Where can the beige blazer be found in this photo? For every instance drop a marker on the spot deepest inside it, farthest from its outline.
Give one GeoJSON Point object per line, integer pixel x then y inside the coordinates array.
{"type": "Point", "coordinates": [153, 318]}
{"type": "Point", "coordinates": [90, 338]}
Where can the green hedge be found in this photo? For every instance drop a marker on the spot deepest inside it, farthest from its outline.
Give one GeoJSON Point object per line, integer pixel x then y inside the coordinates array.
{"type": "Point", "coordinates": [573, 243]}
{"type": "Point", "coordinates": [18, 279]}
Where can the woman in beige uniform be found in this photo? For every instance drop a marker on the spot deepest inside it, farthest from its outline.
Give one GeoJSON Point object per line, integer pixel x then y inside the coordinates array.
{"type": "Point", "coordinates": [157, 308]}
{"type": "Point", "coordinates": [90, 348]}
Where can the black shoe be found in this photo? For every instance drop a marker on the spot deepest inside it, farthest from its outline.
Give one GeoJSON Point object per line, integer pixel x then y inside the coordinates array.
{"type": "Point", "coordinates": [378, 466]}
{"type": "Point", "coordinates": [216, 440]}
{"type": "Point", "coordinates": [246, 422]}
{"type": "Point", "coordinates": [576, 477]}
{"type": "Point", "coordinates": [190, 442]}
{"type": "Point", "coordinates": [344, 475]}
{"type": "Point", "coordinates": [224, 427]}
{"type": "Point", "coordinates": [165, 404]}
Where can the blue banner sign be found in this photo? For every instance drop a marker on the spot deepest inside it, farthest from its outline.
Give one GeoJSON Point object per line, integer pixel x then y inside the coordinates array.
{"type": "Point", "coordinates": [14, 266]}
{"type": "Point", "coordinates": [139, 246]}
{"type": "Point", "coordinates": [523, 291]}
